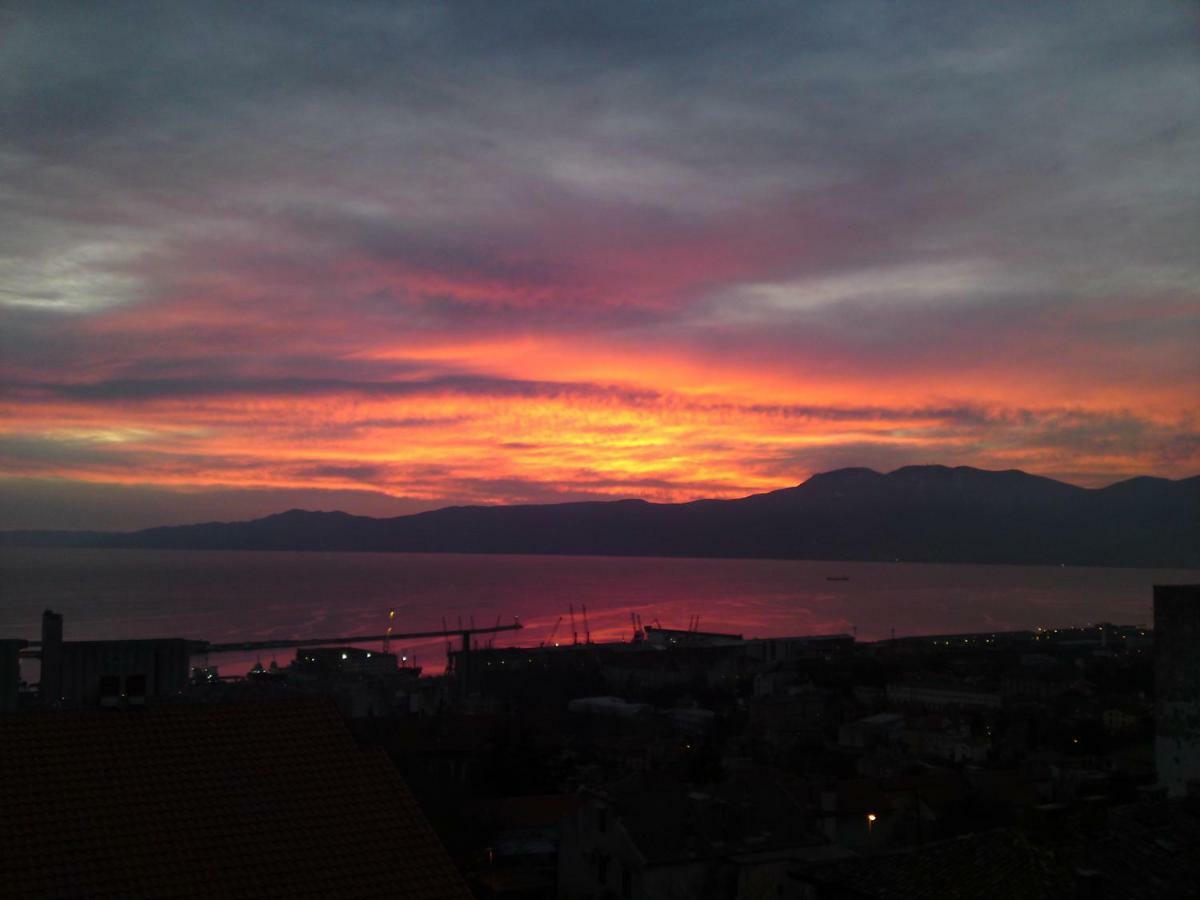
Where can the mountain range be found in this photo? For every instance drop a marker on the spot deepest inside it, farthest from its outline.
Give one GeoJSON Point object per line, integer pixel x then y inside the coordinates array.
{"type": "Point", "coordinates": [930, 514]}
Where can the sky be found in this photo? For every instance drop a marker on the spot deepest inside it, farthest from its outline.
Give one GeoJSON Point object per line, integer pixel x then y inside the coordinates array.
{"type": "Point", "coordinates": [385, 257]}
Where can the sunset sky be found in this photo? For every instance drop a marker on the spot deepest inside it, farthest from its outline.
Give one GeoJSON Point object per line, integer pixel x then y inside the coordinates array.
{"type": "Point", "coordinates": [388, 257]}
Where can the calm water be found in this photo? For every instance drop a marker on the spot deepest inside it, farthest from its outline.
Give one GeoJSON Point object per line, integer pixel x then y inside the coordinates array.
{"type": "Point", "coordinates": [225, 596]}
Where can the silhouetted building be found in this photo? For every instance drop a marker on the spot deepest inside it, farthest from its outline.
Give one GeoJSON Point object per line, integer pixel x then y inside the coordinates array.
{"type": "Point", "coordinates": [1177, 685]}
{"type": "Point", "coordinates": [523, 835]}
{"type": "Point", "coordinates": [214, 800]}
{"type": "Point", "coordinates": [680, 637]}
{"type": "Point", "coordinates": [345, 661]}
{"type": "Point", "coordinates": [650, 836]}
{"type": "Point", "coordinates": [108, 673]}
{"type": "Point", "coordinates": [941, 695]}
{"type": "Point", "coordinates": [10, 674]}
{"type": "Point", "coordinates": [998, 864]}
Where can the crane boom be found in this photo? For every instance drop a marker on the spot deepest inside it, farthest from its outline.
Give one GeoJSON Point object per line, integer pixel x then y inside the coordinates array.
{"type": "Point", "coordinates": [553, 632]}
{"type": "Point", "coordinates": [207, 647]}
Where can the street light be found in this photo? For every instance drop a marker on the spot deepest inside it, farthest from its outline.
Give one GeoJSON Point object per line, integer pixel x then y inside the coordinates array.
{"type": "Point", "coordinates": [871, 817]}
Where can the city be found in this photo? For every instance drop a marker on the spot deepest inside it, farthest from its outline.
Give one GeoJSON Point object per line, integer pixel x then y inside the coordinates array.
{"type": "Point", "coordinates": [680, 763]}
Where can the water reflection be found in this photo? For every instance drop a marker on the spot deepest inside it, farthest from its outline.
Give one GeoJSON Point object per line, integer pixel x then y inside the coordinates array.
{"type": "Point", "coordinates": [228, 596]}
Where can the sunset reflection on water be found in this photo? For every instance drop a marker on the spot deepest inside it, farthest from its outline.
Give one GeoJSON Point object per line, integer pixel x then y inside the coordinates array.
{"type": "Point", "coordinates": [241, 596]}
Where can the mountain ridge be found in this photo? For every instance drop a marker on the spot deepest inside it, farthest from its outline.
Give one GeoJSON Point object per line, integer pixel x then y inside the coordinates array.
{"type": "Point", "coordinates": [914, 513]}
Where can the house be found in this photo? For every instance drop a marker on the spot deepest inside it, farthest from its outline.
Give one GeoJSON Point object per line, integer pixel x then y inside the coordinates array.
{"type": "Point", "coordinates": [880, 812]}
{"type": "Point", "coordinates": [656, 837]}
{"type": "Point", "coordinates": [941, 695]}
{"type": "Point", "coordinates": [108, 673]}
{"type": "Point", "coordinates": [524, 834]}
{"type": "Point", "coordinates": [994, 865]}
{"type": "Point", "coordinates": [871, 731]}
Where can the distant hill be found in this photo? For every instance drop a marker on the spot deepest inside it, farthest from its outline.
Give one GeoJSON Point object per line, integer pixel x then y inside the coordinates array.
{"type": "Point", "coordinates": [915, 514]}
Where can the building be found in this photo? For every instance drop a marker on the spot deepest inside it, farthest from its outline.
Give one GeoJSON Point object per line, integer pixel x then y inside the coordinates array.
{"type": "Point", "coordinates": [1177, 685]}
{"type": "Point", "coordinates": [214, 800]}
{"type": "Point", "coordinates": [998, 864]}
{"type": "Point", "coordinates": [649, 837]}
{"type": "Point", "coordinates": [948, 741]}
{"type": "Point", "coordinates": [523, 838]}
{"type": "Point", "coordinates": [805, 648]}
{"type": "Point", "coordinates": [939, 695]}
{"type": "Point", "coordinates": [678, 637]}
{"type": "Point", "coordinates": [874, 813]}
{"type": "Point", "coordinates": [108, 673]}
{"type": "Point", "coordinates": [10, 674]}
{"type": "Point", "coordinates": [870, 732]}
{"type": "Point", "coordinates": [346, 661]}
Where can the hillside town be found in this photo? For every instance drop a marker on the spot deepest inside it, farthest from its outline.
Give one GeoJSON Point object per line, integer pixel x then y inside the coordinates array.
{"type": "Point", "coordinates": [687, 763]}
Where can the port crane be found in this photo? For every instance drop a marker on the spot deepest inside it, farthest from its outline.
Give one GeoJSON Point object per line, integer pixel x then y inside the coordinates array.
{"type": "Point", "coordinates": [466, 633]}
{"type": "Point", "coordinates": [387, 638]}
{"type": "Point", "coordinates": [553, 632]}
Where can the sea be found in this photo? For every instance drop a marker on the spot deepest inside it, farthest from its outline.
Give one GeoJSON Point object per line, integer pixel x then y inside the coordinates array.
{"type": "Point", "coordinates": [226, 596]}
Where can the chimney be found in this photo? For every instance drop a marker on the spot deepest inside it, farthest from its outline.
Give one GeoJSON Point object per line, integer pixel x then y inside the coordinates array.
{"type": "Point", "coordinates": [50, 687]}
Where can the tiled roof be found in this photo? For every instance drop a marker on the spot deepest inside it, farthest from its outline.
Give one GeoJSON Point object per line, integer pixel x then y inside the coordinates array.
{"type": "Point", "coordinates": [1149, 850]}
{"type": "Point", "coordinates": [997, 864]}
{"type": "Point", "coordinates": [270, 799]}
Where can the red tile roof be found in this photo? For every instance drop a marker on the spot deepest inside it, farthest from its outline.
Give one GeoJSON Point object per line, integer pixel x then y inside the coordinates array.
{"type": "Point", "coordinates": [252, 799]}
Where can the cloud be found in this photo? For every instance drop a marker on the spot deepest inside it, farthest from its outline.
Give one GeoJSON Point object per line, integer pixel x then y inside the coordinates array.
{"type": "Point", "coordinates": [678, 248]}
{"type": "Point", "coordinates": [962, 281]}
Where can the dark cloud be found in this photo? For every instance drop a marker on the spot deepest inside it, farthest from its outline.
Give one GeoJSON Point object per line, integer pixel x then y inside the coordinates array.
{"type": "Point", "coordinates": [150, 390]}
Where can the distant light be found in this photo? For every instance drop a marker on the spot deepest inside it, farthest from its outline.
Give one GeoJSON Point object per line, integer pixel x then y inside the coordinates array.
{"type": "Point", "coordinates": [404, 659]}
{"type": "Point", "coordinates": [871, 817]}
{"type": "Point", "coordinates": [344, 656]}
{"type": "Point", "coordinates": [368, 654]}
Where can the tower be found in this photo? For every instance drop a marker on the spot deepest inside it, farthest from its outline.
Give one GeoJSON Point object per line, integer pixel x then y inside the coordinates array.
{"type": "Point", "coordinates": [50, 687]}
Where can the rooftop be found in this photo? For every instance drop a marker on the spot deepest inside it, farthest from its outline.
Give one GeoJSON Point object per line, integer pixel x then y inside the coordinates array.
{"type": "Point", "coordinates": [214, 799]}
{"type": "Point", "coordinates": [999, 864]}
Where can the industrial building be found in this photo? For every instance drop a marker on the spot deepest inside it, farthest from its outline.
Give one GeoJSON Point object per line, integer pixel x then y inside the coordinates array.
{"type": "Point", "coordinates": [108, 673]}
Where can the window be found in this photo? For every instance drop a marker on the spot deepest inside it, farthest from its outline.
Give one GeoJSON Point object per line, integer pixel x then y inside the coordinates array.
{"type": "Point", "coordinates": [626, 882]}
{"type": "Point", "coordinates": [601, 819]}
{"type": "Point", "coordinates": [602, 868]}
{"type": "Point", "coordinates": [135, 685]}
